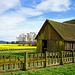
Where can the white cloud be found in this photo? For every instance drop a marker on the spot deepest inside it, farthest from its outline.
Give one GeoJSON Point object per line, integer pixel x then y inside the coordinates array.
{"type": "Point", "coordinates": [29, 12]}
{"type": "Point", "coordinates": [54, 5]}
{"type": "Point", "coordinates": [7, 4]}
{"type": "Point", "coordinates": [19, 9]}
{"type": "Point", "coordinates": [10, 21]}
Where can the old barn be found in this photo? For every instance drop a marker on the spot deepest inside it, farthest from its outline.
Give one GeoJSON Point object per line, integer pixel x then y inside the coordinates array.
{"type": "Point", "coordinates": [56, 36]}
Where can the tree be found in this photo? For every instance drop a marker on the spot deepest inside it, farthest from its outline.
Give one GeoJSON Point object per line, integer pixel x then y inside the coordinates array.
{"type": "Point", "coordinates": [7, 42]}
{"type": "Point", "coordinates": [31, 37]}
{"type": "Point", "coordinates": [28, 38]}
{"type": "Point", "coordinates": [22, 38]}
{"type": "Point", "coordinates": [34, 40]}
{"type": "Point", "coordinates": [12, 42]}
{"type": "Point", "coordinates": [34, 35]}
{"type": "Point", "coordinates": [17, 42]}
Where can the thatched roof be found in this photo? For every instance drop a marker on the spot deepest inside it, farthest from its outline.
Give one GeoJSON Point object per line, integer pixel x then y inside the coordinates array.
{"type": "Point", "coordinates": [66, 31]}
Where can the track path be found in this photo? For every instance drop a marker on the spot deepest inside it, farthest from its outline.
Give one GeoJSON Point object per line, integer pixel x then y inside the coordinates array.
{"type": "Point", "coordinates": [16, 51]}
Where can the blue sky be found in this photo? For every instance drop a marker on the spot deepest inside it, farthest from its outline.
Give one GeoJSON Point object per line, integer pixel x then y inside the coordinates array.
{"type": "Point", "coordinates": [24, 16]}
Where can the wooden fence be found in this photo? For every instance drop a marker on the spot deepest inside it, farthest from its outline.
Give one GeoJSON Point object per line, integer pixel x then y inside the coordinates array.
{"type": "Point", "coordinates": [38, 60]}
{"type": "Point", "coordinates": [10, 63]}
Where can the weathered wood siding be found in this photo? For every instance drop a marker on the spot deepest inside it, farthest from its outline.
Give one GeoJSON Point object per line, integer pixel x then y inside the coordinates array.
{"type": "Point", "coordinates": [50, 45]}
{"type": "Point", "coordinates": [55, 46]}
{"type": "Point", "coordinates": [39, 46]}
{"type": "Point", "coordinates": [69, 45]}
{"type": "Point", "coordinates": [47, 32]}
{"type": "Point", "coordinates": [54, 40]}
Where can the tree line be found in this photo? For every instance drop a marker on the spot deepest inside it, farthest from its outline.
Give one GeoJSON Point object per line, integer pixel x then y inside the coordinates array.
{"type": "Point", "coordinates": [29, 38]}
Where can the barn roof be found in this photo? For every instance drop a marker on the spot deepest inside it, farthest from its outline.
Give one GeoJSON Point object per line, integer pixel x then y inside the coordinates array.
{"type": "Point", "coordinates": [66, 31]}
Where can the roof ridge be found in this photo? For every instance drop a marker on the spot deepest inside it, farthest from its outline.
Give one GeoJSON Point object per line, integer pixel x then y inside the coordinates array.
{"type": "Point", "coordinates": [60, 22]}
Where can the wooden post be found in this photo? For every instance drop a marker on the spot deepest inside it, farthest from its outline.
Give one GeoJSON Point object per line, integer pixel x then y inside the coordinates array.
{"type": "Point", "coordinates": [4, 62]}
{"type": "Point", "coordinates": [38, 58]}
{"type": "Point", "coordinates": [25, 61]}
{"type": "Point", "coordinates": [42, 59]}
{"type": "Point", "coordinates": [61, 57]}
{"type": "Point", "coordinates": [46, 59]}
{"type": "Point", "coordinates": [34, 60]}
{"type": "Point", "coordinates": [15, 62]}
{"type": "Point", "coordinates": [19, 61]}
{"type": "Point", "coordinates": [73, 55]}
{"type": "Point", "coordinates": [10, 62]}
{"type": "Point", "coordinates": [52, 58]}
{"type": "Point", "coordinates": [55, 58]}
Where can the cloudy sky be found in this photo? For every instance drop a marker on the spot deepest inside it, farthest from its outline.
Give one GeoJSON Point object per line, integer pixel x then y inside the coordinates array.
{"type": "Point", "coordinates": [23, 16]}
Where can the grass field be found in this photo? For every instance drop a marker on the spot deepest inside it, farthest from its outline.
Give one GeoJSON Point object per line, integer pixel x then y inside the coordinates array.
{"type": "Point", "coordinates": [62, 70]}
{"type": "Point", "coordinates": [17, 53]}
{"type": "Point", "coordinates": [16, 47]}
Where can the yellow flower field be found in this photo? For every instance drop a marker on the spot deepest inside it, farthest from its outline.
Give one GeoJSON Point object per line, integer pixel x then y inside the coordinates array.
{"type": "Point", "coordinates": [16, 46]}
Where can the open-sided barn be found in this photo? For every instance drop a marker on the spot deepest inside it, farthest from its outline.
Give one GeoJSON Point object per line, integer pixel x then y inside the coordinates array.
{"type": "Point", "coordinates": [56, 36]}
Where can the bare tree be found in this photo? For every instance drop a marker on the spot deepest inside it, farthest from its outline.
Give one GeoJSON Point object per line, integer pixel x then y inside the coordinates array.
{"type": "Point", "coordinates": [28, 38]}
{"type": "Point", "coordinates": [22, 37]}
{"type": "Point", "coordinates": [34, 35]}
{"type": "Point", "coordinates": [31, 37]}
{"type": "Point", "coordinates": [34, 40]}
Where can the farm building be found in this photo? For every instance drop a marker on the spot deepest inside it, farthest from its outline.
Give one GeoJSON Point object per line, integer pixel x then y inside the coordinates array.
{"type": "Point", "coordinates": [56, 37]}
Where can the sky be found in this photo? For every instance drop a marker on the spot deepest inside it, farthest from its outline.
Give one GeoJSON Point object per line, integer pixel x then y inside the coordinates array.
{"type": "Point", "coordinates": [24, 16]}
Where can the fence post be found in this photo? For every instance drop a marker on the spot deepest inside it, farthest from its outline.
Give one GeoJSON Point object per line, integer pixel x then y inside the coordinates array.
{"type": "Point", "coordinates": [4, 63]}
{"type": "Point", "coordinates": [61, 55]}
{"type": "Point", "coordinates": [25, 61]}
{"type": "Point", "coordinates": [15, 62]}
{"type": "Point", "coordinates": [46, 59]}
{"type": "Point", "coordinates": [10, 62]}
{"type": "Point", "coordinates": [19, 62]}
{"type": "Point", "coordinates": [73, 55]}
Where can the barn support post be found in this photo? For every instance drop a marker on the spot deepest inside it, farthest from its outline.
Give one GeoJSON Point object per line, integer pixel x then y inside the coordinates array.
{"type": "Point", "coordinates": [25, 61]}
{"type": "Point", "coordinates": [61, 56]}
{"type": "Point", "coordinates": [46, 59]}
{"type": "Point", "coordinates": [73, 55]}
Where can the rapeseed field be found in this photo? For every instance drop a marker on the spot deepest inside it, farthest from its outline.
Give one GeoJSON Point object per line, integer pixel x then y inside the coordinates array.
{"type": "Point", "coordinates": [16, 47]}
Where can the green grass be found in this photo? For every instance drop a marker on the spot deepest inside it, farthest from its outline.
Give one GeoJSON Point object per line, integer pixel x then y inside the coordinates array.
{"type": "Point", "coordinates": [17, 53]}
{"type": "Point", "coordinates": [63, 70]}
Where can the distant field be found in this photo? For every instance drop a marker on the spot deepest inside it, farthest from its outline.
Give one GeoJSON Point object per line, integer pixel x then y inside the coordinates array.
{"type": "Point", "coordinates": [16, 47]}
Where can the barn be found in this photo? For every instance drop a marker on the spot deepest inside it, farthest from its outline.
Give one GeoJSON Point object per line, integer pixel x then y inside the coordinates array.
{"type": "Point", "coordinates": [55, 37]}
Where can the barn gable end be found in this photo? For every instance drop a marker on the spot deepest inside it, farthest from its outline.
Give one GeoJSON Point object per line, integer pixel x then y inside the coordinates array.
{"type": "Point", "coordinates": [50, 34]}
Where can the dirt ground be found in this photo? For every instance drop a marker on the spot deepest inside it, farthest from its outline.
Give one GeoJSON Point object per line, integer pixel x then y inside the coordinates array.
{"type": "Point", "coordinates": [16, 51]}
